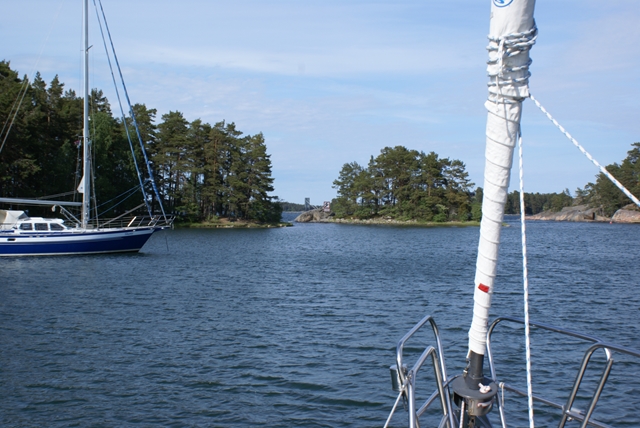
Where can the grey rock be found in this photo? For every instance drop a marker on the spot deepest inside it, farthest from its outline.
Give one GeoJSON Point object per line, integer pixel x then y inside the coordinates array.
{"type": "Point", "coordinates": [627, 214]}
{"type": "Point", "coordinates": [575, 213]}
{"type": "Point", "coordinates": [313, 216]}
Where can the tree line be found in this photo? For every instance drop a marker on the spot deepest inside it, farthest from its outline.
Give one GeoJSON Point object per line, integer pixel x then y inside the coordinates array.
{"type": "Point", "coordinates": [407, 184]}
{"type": "Point", "coordinates": [202, 171]}
{"type": "Point", "coordinates": [602, 194]}
{"type": "Point", "coordinates": [538, 202]}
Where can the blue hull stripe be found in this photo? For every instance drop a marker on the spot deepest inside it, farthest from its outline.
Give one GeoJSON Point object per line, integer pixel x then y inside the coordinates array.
{"type": "Point", "coordinates": [74, 243]}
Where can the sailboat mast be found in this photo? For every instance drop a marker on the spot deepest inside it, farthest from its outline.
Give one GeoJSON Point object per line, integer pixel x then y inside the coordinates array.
{"type": "Point", "coordinates": [86, 170]}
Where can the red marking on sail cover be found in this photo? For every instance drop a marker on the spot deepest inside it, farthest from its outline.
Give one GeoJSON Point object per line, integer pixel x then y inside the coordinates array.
{"type": "Point", "coordinates": [484, 288]}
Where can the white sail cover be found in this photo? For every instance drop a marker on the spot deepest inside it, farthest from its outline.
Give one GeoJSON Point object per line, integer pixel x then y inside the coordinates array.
{"type": "Point", "coordinates": [512, 33]}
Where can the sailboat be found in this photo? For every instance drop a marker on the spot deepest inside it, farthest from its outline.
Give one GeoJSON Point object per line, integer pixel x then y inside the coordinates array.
{"type": "Point", "coordinates": [467, 399]}
{"type": "Point", "coordinates": [21, 235]}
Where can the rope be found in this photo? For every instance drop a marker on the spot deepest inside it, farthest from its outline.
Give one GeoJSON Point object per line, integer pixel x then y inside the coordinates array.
{"type": "Point", "coordinates": [595, 162]}
{"type": "Point", "coordinates": [499, 74]}
{"type": "Point", "coordinates": [525, 277]}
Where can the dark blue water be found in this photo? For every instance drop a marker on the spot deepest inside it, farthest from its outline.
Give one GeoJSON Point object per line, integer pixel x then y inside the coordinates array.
{"type": "Point", "coordinates": [295, 326]}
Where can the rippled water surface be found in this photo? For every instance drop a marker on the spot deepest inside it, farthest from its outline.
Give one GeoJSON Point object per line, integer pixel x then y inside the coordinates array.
{"type": "Point", "coordinates": [295, 326]}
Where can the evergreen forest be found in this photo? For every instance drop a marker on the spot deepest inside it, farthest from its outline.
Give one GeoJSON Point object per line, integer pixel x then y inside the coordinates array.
{"type": "Point", "coordinates": [602, 194]}
{"type": "Point", "coordinates": [202, 171]}
{"type": "Point", "coordinates": [407, 185]}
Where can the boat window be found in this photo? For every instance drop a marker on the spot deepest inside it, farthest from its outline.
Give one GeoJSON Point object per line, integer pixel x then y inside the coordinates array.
{"type": "Point", "coordinates": [42, 226]}
{"type": "Point", "coordinates": [26, 226]}
{"type": "Point", "coordinates": [56, 226]}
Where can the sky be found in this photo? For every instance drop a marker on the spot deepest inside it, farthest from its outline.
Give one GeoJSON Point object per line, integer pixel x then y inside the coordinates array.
{"type": "Point", "coordinates": [335, 81]}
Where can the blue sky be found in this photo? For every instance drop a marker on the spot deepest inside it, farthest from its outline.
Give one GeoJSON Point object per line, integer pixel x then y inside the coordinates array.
{"type": "Point", "coordinates": [330, 82]}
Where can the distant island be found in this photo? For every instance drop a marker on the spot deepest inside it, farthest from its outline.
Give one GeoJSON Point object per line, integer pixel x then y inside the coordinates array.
{"type": "Point", "coordinates": [406, 185]}
{"type": "Point", "coordinates": [402, 186]}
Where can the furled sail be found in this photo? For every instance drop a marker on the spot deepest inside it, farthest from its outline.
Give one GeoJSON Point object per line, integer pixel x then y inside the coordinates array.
{"type": "Point", "coordinates": [512, 33]}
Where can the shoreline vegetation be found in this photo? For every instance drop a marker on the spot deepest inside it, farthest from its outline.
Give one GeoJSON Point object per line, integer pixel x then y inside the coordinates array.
{"type": "Point", "coordinates": [393, 222]}
{"type": "Point", "coordinates": [407, 185]}
{"type": "Point", "coordinates": [226, 223]}
{"type": "Point", "coordinates": [318, 215]}
{"type": "Point", "coordinates": [208, 173]}
{"type": "Point", "coordinates": [201, 171]}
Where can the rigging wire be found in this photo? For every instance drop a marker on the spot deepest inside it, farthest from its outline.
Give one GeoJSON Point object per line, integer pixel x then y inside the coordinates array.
{"type": "Point", "coordinates": [133, 117]}
{"type": "Point", "coordinates": [26, 81]}
{"type": "Point", "coordinates": [23, 89]}
{"type": "Point", "coordinates": [124, 119]}
{"type": "Point", "coordinates": [56, 195]}
{"type": "Point", "coordinates": [132, 192]}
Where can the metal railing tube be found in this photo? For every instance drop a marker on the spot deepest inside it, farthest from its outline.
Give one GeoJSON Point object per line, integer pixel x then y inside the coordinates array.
{"type": "Point", "coordinates": [439, 367]}
{"type": "Point", "coordinates": [598, 391]}
{"type": "Point", "coordinates": [567, 409]}
{"type": "Point", "coordinates": [576, 384]}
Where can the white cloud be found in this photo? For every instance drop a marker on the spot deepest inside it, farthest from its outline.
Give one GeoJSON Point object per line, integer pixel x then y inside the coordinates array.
{"type": "Point", "coordinates": [330, 82]}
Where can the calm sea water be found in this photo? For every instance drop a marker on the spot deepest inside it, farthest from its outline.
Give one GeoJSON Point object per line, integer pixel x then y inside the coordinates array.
{"type": "Point", "coordinates": [296, 326]}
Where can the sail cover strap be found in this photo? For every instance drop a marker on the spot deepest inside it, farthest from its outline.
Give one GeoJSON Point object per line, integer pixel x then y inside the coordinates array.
{"type": "Point", "coordinates": [512, 34]}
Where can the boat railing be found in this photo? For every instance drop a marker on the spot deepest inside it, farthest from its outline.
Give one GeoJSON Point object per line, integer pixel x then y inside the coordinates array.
{"type": "Point", "coordinates": [404, 379]}
{"type": "Point", "coordinates": [132, 221]}
{"type": "Point", "coordinates": [569, 412]}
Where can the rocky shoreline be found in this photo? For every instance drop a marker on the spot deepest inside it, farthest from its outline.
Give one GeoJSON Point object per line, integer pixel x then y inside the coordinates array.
{"type": "Point", "coordinates": [319, 216]}
{"type": "Point", "coordinates": [584, 213]}
{"type": "Point", "coordinates": [579, 213]}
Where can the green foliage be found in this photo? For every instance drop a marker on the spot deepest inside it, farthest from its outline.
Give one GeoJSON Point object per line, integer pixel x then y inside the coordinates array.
{"type": "Point", "coordinates": [603, 193]}
{"type": "Point", "coordinates": [538, 202]}
{"type": "Point", "coordinates": [404, 184]}
{"type": "Point", "coordinates": [476, 205]}
{"type": "Point", "coordinates": [201, 171]}
{"type": "Point", "coordinates": [291, 206]}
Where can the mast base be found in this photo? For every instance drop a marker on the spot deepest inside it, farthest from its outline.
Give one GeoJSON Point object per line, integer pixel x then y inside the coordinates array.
{"type": "Point", "coordinates": [476, 402]}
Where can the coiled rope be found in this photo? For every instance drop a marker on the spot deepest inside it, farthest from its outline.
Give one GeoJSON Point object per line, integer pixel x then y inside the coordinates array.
{"type": "Point", "coordinates": [505, 47]}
